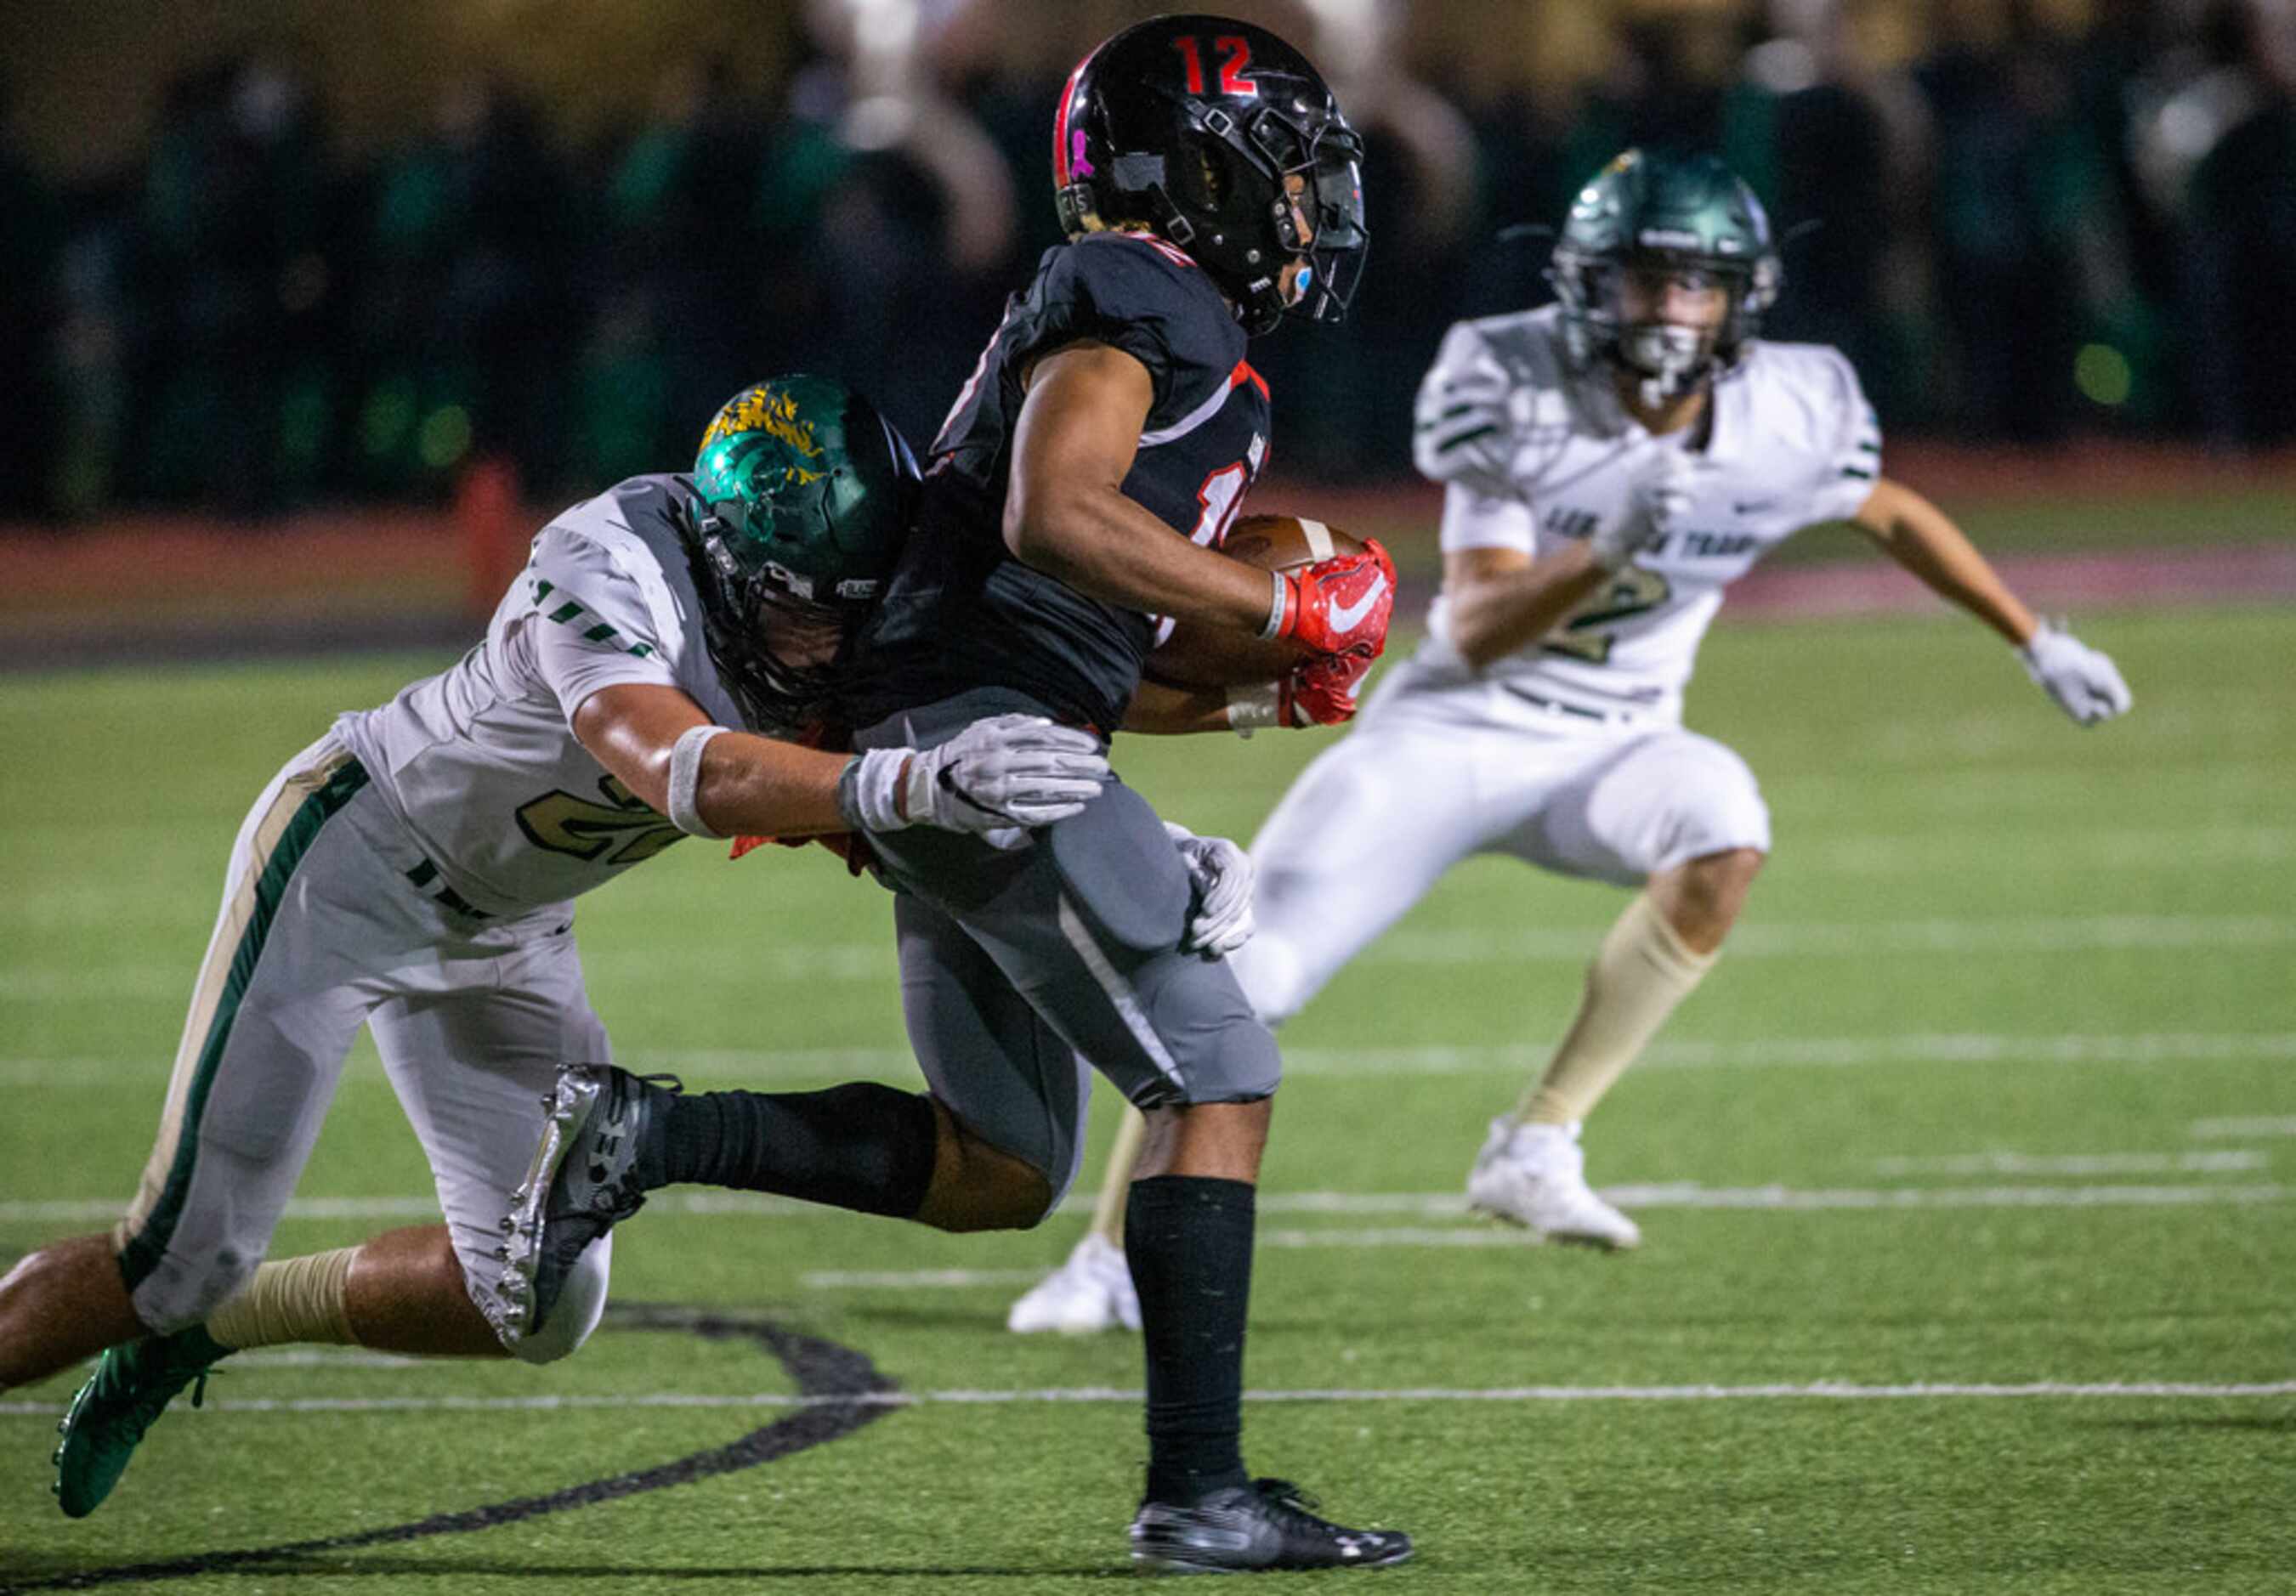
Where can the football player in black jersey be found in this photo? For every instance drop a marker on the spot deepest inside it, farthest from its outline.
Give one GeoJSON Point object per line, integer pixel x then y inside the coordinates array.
{"type": "Point", "coordinates": [1071, 513]}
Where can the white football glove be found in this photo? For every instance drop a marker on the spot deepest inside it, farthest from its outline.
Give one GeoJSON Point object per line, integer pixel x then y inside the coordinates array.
{"type": "Point", "coordinates": [1222, 874]}
{"type": "Point", "coordinates": [1660, 501]}
{"type": "Point", "coordinates": [1008, 771]}
{"type": "Point", "coordinates": [2085, 682]}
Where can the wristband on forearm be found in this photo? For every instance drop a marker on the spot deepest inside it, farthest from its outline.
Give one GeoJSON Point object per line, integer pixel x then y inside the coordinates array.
{"type": "Point", "coordinates": [686, 781]}
{"type": "Point", "coordinates": [869, 789]}
{"type": "Point", "coordinates": [1249, 709]}
{"type": "Point", "coordinates": [1279, 601]}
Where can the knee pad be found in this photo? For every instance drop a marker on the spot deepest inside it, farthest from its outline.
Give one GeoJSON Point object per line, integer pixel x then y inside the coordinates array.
{"type": "Point", "coordinates": [1246, 1068]}
{"type": "Point", "coordinates": [580, 1305]}
{"type": "Point", "coordinates": [1721, 808]}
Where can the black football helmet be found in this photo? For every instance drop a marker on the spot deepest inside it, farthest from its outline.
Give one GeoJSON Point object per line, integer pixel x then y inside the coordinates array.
{"type": "Point", "coordinates": [1190, 125]}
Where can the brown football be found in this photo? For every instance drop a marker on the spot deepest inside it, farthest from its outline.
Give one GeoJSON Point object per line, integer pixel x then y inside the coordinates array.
{"type": "Point", "coordinates": [1198, 656]}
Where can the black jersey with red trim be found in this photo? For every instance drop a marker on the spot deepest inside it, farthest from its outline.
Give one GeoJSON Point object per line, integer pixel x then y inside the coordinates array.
{"type": "Point", "coordinates": [961, 612]}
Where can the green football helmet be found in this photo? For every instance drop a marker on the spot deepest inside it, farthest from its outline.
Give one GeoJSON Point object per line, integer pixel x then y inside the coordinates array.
{"type": "Point", "coordinates": [1687, 214]}
{"type": "Point", "coordinates": [802, 497]}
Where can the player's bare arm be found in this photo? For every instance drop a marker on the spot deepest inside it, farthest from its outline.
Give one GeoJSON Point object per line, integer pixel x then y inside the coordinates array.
{"type": "Point", "coordinates": [749, 785]}
{"type": "Point", "coordinates": [1502, 600]}
{"type": "Point", "coordinates": [2082, 681]}
{"type": "Point", "coordinates": [1067, 514]}
{"type": "Point", "coordinates": [1923, 539]}
{"type": "Point", "coordinates": [1161, 709]}
{"type": "Point", "coordinates": [1010, 770]}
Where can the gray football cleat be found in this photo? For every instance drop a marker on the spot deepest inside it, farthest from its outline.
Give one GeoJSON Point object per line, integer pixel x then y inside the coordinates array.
{"type": "Point", "coordinates": [583, 1182]}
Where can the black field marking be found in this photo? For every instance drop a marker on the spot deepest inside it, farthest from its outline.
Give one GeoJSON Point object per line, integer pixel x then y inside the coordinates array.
{"type": "Point", "coordinates": [821, 1368]}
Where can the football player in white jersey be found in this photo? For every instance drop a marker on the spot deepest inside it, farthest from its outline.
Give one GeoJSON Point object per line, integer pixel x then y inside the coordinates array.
{"type": "Point", "coordinates": [1611, 463]}
{"type": "Point", "coordinates": [652, 674]}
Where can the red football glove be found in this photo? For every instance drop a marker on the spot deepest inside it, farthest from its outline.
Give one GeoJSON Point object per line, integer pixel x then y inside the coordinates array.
{"type": "Point", "coordinates": [1340, 603]}
{"type": "Point", "coordinates": [1321, 692]}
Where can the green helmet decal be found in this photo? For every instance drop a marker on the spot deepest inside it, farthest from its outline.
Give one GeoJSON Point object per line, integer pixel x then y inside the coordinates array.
{"type": "Point", "coordinates": [802, 496]}
{"type": "Point", "coordinates": [1681, 213]}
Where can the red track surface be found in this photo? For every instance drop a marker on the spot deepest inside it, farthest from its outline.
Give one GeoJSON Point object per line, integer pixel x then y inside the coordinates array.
{"type": "Point", "coordinates": [136, 583]}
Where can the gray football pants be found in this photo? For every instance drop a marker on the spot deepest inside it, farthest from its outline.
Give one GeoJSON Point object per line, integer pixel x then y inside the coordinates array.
{"type": "Point", "coordinates": [1022, 965]}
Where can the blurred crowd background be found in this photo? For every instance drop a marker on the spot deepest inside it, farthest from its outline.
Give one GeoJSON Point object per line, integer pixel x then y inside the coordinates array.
{"type": "Point", "coordinates": [262, 255]}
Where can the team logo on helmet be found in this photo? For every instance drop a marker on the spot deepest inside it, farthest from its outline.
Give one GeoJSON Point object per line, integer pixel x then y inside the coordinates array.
{"type": "Point", "coordinates": [768, 411]}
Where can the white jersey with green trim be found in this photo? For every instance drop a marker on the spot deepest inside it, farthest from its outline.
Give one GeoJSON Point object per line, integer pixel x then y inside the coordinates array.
{"type": "Point", "coordinates": [1792, 442]}
{"type": "Point", "coordinates": [481, 763]}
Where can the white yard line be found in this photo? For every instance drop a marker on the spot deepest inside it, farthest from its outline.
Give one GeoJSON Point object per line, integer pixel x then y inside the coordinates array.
{"type": "Point", "coordinates": [2001, 792]}
{"type": "Point", "coordinates": [2087, 1165]}
{"type": "Point", "coordinates": [1920, 853]}
{"type": "Point", "coordinates": [334, 1357]}
{"type": "Point", "coordinates": [139, 981]}
{"type": "Point", "coordinates": [1431, 1205]}
{"type": "Point", "coordinates": [765, 1065]}
{"type": "Point", "coordinates": [903, 1280]}
{"type": "Point", "coordinates": [1864, 939]}
{"type": "Point", "coordinates": [1941, 1197]}
{"type": "Point", "coordinates": [2281, 1125]}
{"type": "Point", "coordinates": [1817, 1390]}
{"type": "Point", "coordinates": [1843, 1052]}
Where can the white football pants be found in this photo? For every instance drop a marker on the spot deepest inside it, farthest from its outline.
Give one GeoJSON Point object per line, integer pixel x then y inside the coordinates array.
{"type": "Point", "coordinates": [1428, 776]}
{"type": "Point", "coordinates": [331, 920]}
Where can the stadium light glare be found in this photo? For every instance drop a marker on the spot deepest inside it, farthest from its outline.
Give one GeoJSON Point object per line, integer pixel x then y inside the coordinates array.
{"type": "Point", "coordinates": [2102, 373]}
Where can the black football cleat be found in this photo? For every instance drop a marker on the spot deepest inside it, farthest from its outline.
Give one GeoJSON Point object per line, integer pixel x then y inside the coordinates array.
{"type": "Point", "coordinates": [1264, 1525]}
{"type": "Point", "coordinates": [583, 1182]}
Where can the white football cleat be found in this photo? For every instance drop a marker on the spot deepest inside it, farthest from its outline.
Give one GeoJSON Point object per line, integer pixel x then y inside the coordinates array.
{"type": "Point", "coordinates": [1534, 1175]}
{"type": "Point", "coordinates": [1091, 1292]}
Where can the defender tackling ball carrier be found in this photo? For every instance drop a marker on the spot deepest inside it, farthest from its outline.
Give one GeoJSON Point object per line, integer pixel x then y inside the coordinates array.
{"type": "Point", "coordinates": [647, 677]}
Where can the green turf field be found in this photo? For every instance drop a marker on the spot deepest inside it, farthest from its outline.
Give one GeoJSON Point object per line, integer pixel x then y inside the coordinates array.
{"type": "Point", "coordinates": [1997, 1094]}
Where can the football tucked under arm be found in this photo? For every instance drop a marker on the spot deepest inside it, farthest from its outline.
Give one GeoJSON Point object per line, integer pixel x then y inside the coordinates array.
{"type": "Point", "coordinates": [1197, 655]}
{"type": "Point", "coordinates": [1209, 679]}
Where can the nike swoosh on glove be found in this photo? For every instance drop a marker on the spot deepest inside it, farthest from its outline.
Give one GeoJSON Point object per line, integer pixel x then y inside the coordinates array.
{"type": "Point", "coordinates": [1221, 874]}
{"type": "Point", "coordinates": [1340, 603]}
{"type": "Point", "coordinates": [2084, 681]}
{"type": "Point", "coordinates": [1007, 771]}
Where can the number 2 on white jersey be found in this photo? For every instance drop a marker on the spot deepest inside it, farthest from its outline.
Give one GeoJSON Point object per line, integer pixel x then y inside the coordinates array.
{"type": "Point", "coordinates": [1634, 591]}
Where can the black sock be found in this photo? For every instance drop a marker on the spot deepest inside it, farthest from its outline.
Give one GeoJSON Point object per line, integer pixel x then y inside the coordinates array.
{"type": "Point", "coordinates": [1189, 1242]}
{"type": "Point", "coordinates": [860, 1146]}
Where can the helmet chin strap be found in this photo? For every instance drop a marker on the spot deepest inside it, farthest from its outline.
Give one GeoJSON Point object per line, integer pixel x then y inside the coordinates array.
{"type": "Point", "coordinates": [1668, 359]}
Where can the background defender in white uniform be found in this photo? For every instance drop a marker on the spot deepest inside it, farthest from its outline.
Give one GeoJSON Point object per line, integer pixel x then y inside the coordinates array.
{"type": "Point", "coordinates": [1612, 463]}
{"type": "Point", "coordinates": [411, 871]}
